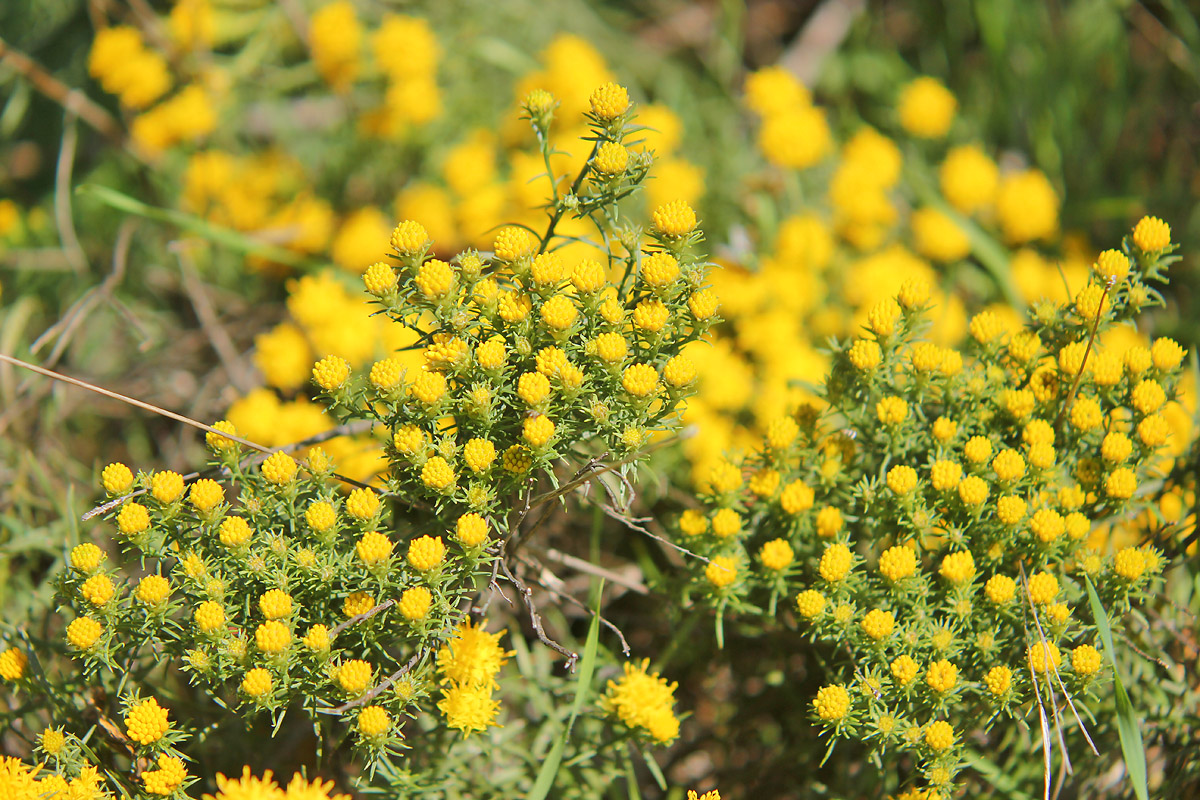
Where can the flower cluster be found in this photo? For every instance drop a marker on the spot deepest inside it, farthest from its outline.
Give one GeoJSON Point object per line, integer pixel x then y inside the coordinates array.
{"type": "Point", "coordinates": [935, 519]}
{"type": "Point", "coordinates": [845, 221]}
{"type": "Point", "coordinates": [644, 702]}
{"type": "Point", "coordinates": [275, 586]}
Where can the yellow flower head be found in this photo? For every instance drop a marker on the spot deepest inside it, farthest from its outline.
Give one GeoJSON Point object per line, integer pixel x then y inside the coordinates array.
{"type": "Point", "coordinates": [927, 108]}
{"type": "Point", "coordinates": [146, 722]}
{"type": "Point", "coordinates": [426, 553]}
{"type": "Point", "coordinates": [832, 703]}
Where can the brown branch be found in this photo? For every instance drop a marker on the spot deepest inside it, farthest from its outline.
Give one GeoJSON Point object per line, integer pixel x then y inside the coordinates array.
{"type": "Point", "coordinates": [535, 618]}
{"type": "Point", "coordinates": [1087, 351]}
{"type": "Point", "coordinates": [531, 562]}
{"type": "Point", "coordinates": [379, 609]}
{"type": "Point", "coordinates": [71, 99]}
{"type": "Point", "coordinates": [378, 690]}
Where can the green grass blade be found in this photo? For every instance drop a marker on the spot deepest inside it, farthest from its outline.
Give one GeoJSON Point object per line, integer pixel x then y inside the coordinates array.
{"type": "Point", "coordinates": [1132, 747]}
{"type": "Point", "coordinates": [587, 668]}
{"type": "Point", "coordinates": [218, 234]}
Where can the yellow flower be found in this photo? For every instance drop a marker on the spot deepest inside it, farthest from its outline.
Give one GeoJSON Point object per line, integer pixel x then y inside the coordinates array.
{"type": "Point", "coordinates": [1121, 483]}
{"type": "Point", "coordinates": [674, 220]}
{"type": "Point", "coordinates": [939, 736]}
{"type": "Point", "coordinates": [52, 740]}
{"type": "Point", "coordinates": [937, 236]}
{"type": "Point", "coordinates": [12, 664]}
{"type": "Point", "coordinates": [1085, 660]}
{"type": "Point", "coordinates": [84, 632]}
{"type": "Point", "coordinates": [358, 603]}
{"type": "Point", "coordinates": [513, 243]}
{"type": "Point", "coordinates": [373, 721]}
{"type": "Point", "coordinates": [865, 354]}
{"type": "Point", "coordinates": [97, 590]}
{"type": "Point", "coordinates": [166, 486]}
{"type": "Point", "coordinates": [703, 304]}
{"type": "Point", "coordinates": [86, 557]}
{"type": "Point", "coordinates": [538, 430]}
{"type": "Point", "coordinates": [927, 108]}
{"type": "Point", "coordinates": [435, 278]}
{"type": "Point", "coordinates": [234, 531]}
{"type": "Point", "coordinates": [941, 676]}
{"type": "Point", "coordinates": [640, 380]}
{"type": "Point", "coordinates": [726, 523]}
{"type": "Point", "coordinates": [959, 567]}
{"type": "Point", "coordinates": [721, 571]}
{"type": "Point", "coordinates": [335, 36]}
{"type": "Point", "coordinates": [415, 602]}
{"type": "Point", "coordinates": [153, 590]}
{"type": "Point", "coordinates": [659, 270]}
{"type": "Point", "coordinates": [878, 624]}
{"type": "Point", "coordinates": [373, 548]}
{"type": "Point", "coordinates": [944, 429]}
{"type": "Point", "coordinates": [272, 637]}
{"type": "Point", "coordinates": [1027, 206]}
{"type": "Point", "coordinates": [426, 553]}
{"type": "Point", "coordinates": [331, 372]}
{"type": "Point", "coordinates": [810, 603]}
{"type": "Point", "coordinates": [275, 604]}
{"type": "Point", "coordinates": [972, 490]}
{"type": "Point", "coordinates": [256, 684]}
{"type": "Point", "coordinates": [588, 276]}
{"type": "Point", "coordinates": [1111, 266]}
{"type": "Point", "coordinates": [279, 468]}
{"type": "Point", "coordinates": [776, 555]}
{"type": "Point", "coordinates": [468, 708]}
{"type": "Point", "coordinates": [116, 479]}
{"type": "Point", "coordinates": [1151, 234]}
{"type": "Point", "coordinates": [902, 479]}
{"type": "Point", "coordinates": [1041, 654]}
{"type": "Point", "coordinates": [969, 179]}
{"type": "Point", "coordinates": [380, 278]}
{"type": "Point", "coordinates": [891, 410]}
{"type": "Point", "coordinates": [1000, 589]}
{"type": "Point", "coordinates": [832, 703]}
{"type": "Point", "coordinates": [897, 563]}
{"type": "Point", "coordinates": [209, 616]}
{"type": "Point", "coordinates": [904, 670]}
{"type": "Point", "coordinates": [796, 137]}
{"type": "Point", "coordinates": [409, 238]}
{"type": "Point", "coordinates": [320, 516]}
{"type": "Point", "coordinates": [611, 159]}
{"type": "Point", "coordinates": [609, 102]}
{"type": "Point", "coordinates": [317, 638]}
{"type": "Point", "coordinates": [437, 474]}
{"type": "Point", "coordinates": [836, 562]}
{"type": "Point", "coordinates": [146, 722]}
{"type": "Point", "coordinates": [1043, 587]}
{"type": "Point", "coordinates": [472, 657]}
{"type": "Point", "coordinates": [168, 776]}
{"type": "Point", "coordinates": [1130, 563]}
{"type": "Point", "coordinates": [998, 680]}
{"type": "Point", "coordinates": [355, 676]}
{"type": "Point", "coordinates": [559, 313]}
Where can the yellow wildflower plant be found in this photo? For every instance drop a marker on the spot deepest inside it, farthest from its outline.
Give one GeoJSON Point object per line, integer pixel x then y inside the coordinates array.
{"type": "Point", "coordinates": [974, 547]}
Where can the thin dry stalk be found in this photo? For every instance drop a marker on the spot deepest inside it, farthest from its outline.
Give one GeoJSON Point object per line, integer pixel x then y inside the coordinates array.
{"type": "Point", "coordinates": [73, 100]}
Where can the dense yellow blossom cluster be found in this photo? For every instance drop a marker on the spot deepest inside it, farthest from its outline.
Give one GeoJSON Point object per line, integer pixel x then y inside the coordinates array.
{"type": "Point", "coordinates": [277, 588]}
{"type": "Point", "coordinates": [966, 487]}
{"type": "Point", "coordinates": [874, 213]}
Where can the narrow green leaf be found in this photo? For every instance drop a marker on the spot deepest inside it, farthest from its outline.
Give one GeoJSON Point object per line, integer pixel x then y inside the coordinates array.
{"type": "Point", "coordinates": [228, 237]}
{"type": "Point", "coordinates": [1132, 746]}
{"type": "Point", "coordinates": [587, 667]}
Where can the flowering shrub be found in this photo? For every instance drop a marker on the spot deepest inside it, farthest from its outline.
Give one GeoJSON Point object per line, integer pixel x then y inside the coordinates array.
{"type": "Point", "coordinates": [923, 433]}
{"type": "Point", "coordinates": [931, 524]}
{"type": "Point", "coordinates": [275, 592]}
